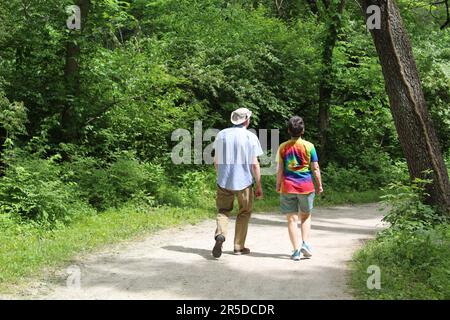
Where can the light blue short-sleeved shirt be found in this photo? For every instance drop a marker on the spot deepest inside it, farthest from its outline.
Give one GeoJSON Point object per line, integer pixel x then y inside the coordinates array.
{"type": "Point", "coordinates": [235, 149]}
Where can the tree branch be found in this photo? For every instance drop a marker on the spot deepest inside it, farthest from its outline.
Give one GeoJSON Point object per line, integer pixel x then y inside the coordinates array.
{"type": "Point", "coordinates": [448, 15]}
{"type": "Point", "coordinates": [447, 10]}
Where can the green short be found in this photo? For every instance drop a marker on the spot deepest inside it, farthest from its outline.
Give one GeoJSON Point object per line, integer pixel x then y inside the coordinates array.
{"type": "Point", "coordinates": [296, 203]}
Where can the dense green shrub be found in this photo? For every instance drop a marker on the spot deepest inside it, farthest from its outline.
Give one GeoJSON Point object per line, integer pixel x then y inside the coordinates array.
{"type": "Point", "coordinates": [407, 210]}
{"type": "Point", "coordinates": [343, 179]}
{"type": "Point", "coordinates": [373, 171]}
{"type": "Point", "coordinates": [413, 265]}
{"type": "Point", "coordinates": [112, 184]}
{"type": "Point", "coordinates": [32, 190]}
{"type": "Point", "coordinates": [193, 189]}
{"type": "Point", "coordinates": [13, 117]}
{"type": "Point", "coordinates": [412, 253]}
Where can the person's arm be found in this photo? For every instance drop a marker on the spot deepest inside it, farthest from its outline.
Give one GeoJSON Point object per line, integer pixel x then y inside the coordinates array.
{"type": "Point", "coordinates": [216, 146]}
{"type": "Point", "coordinates": [316, 171]}
{"type": "Point", "coordinates": [257, 175]}
{"type": "Point", "coordinates": [279, 176]}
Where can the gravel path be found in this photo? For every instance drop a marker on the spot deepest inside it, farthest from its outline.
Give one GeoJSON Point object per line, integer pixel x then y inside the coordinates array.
{"type": "Point", "coordinates": [177, 263]}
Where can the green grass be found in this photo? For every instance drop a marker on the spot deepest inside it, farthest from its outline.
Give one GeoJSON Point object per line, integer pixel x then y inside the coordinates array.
{"type": "Point", "coordinates": [331, 197]}
{"type": "Point", "coordinates": [413, 266]}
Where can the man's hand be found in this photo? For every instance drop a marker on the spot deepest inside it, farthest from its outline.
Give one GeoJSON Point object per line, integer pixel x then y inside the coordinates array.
{"type": "Point", "coordinates": [258, 192]}
{"type": "Point", "coordinates": [257, 176]}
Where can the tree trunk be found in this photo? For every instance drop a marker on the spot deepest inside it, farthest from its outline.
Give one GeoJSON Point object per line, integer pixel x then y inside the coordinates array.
{"type": "Point", "coordinates": [407, 102]}
{"type": "Point", "coordinates": [2, 142]}
{"type": "Point", "coordinates": [71, 69]}
{"type": "Point", "coordinates": [72, 73]}
{"type": "Point", "coordinates": [313, 6]}
{"type": "Point", "coordinates": [325, 86]}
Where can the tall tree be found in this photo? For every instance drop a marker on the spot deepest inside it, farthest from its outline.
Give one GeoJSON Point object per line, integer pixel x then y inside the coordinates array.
{"type": "Point", "coordinates": [414, 127]}
{"type": "Point", "coordinates": [72, 69]}
{"type": "Point", "coordinates": [331, 16]}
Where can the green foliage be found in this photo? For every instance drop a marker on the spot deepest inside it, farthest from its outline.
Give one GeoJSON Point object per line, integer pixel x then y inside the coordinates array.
{"type": "Point", "coordinates": [349, 179]}
{"type": "Point", "coordinates": [413, 265]}
{"type": "Point", "coordinates": [373, 171]}
{"type": "Point", "coordinates": [412, 252]}
{"type": "Point", "coordinates": [13, 117]}
{"type": "Point", "coordinates": [140, 103]}
{"type": "Point", "coordinates": [107, 185]}
{"type": "Point", "coordinates": [407, 210]}
{"type": "Point", "coordinates": [32, 190]}
{"type": "Point", "coordinates": [238, 57]}
{"type": "Point", "coordinates": [432, 54]}
{"type": "Point", "coordinates": [191, 189]}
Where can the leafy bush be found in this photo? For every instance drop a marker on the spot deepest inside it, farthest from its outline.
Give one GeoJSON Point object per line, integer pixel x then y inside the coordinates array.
{"type": "Point", "coordinates": [374, 171]}
{"type": "Point", "coordinates": [110, 185]}
{"type": "Point", "coordinates": [413, 265]}
{"type": "Point", "coordinates": [412, 252]}
{"type": "Point", "coordinates": [194, 189]}
{"type": "Point", "coordinates": [407, 210]}
{"type": "Point", "coordinates": [269, 183]}
{"type": "Point", "coordinates": [379, 169]}
{"type": "Point", "coordinates": [345, 179]}
{"type": "Point", "coordinates": [13, 117]}
{"type": "Point", "coordinates": [32, 190]}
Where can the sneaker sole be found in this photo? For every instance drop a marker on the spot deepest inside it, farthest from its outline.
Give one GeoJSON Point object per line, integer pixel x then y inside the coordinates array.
{"type": "Point", "coordinates": [217, 250]}
{"type": "Point", "coordinates": [306, 253]}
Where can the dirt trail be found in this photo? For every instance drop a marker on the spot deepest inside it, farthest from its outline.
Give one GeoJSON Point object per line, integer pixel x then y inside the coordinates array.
{"type": "Point", "coordinates": [177, 263]}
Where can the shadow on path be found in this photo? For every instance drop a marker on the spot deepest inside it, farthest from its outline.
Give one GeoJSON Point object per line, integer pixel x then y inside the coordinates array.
{"type": "Point", "coordinates": [206, 254]}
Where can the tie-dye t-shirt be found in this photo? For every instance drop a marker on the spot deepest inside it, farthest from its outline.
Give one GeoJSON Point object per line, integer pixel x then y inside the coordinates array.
{"type": "Point", "coordinates": [295, 157]}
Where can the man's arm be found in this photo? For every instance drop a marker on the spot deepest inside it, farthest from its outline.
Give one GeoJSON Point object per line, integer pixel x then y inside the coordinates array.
{"type": "Point", "coordinates": [257, 175]}
{"type": "Point", "coordinates": [217, 146]}
{"type": "Point", "coordinates": [316, 172]}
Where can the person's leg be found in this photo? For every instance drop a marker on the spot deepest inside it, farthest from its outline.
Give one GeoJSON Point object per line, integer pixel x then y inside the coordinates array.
{"type": "Point", "coordinates": [224, 203]}
{"type": "Point", "coordinates": [289, 206]}
{"type": "Point", "coordinates": [293, 230]}
{"type": "Point", "coordinates": [306, 249]}
{"type": "Point", "coordinates": [305, 219]}
{"type": "Point", "coordinates": [306, 205]}
{"type": "Point", "coordinates": [245, 200]}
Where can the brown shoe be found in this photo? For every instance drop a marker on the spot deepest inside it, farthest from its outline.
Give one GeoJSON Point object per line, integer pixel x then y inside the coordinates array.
{"type": "Point", "coordinates": [242, 251]}
{"type": "Point", "coordinates": [217, 250]}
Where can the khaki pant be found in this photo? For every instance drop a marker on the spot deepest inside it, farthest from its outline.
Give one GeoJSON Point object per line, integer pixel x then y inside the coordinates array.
{"type": "Point", "coordinates": [224, 202]}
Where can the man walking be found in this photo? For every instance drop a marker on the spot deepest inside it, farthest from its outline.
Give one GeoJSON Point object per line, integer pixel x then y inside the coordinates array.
{"type": "Point", "coordinates": [235, 160]}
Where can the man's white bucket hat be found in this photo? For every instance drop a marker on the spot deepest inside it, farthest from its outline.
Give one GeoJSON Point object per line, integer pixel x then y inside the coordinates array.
{"type": "Point", "coordinates": [240, 115]}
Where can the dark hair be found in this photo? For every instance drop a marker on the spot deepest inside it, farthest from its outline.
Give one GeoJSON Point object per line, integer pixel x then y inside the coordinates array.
{"type": "Point", "coordinates": [296, 126]}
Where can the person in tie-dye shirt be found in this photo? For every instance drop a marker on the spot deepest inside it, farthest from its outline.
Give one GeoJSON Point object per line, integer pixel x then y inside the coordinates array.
{"type": "Point", "coordinates": [297, 163]}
